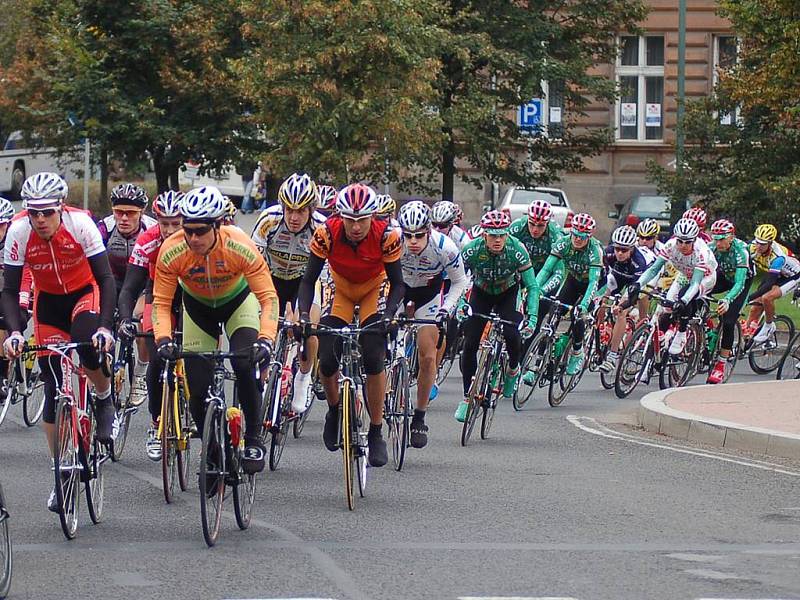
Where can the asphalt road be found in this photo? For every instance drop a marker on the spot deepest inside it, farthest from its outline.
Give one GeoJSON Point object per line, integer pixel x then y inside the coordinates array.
{"type": "Point", "coordinates": [550, 506]}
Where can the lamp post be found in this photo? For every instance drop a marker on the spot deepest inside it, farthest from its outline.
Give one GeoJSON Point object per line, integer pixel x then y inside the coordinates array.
{"type": "Point", "coordinates": [677, 209]}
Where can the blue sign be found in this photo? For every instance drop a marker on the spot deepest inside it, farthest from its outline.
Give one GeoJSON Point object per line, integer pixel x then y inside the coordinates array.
{"type": "Point", "coordinates": [529, 116]}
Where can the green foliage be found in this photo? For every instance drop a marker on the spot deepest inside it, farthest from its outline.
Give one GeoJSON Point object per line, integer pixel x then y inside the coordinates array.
{"type": "Point", "coordinates": [749, 171]}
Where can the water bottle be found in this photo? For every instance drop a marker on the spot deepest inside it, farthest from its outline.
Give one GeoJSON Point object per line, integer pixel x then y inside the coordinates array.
{"type": "Point", "coordinates": [286, 380]}
{"type": "Point", "coordinates": [234, 418]}
{"type": "Point", "coordinates": [561, 345]}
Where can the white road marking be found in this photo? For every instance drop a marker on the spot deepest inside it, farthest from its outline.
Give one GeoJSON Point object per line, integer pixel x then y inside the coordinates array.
{"type": "Point", "coordinates": [590, 425]}
{"type": "Point", "coordinates": [516, 598]}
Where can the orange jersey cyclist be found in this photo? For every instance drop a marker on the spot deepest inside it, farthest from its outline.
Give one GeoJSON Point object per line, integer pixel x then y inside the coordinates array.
{"type": "Point", "coordinates": [362, 252]}
{"type": "Point", "coordinates": [225, 281]}
{"type": "Point", "coordinates": [74, 297]}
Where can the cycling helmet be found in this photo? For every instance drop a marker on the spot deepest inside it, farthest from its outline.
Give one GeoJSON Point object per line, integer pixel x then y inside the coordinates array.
{"type": "Point", "coordinates": [357, 200]}
{"type": "Point", "coordinates": [459, 215]}
{"type": "Point", "coordinates": [475, 231]}
{"type": "Point", "coordinates": [43, 189]}
{"type": "Point", "coordinates": [168, 204]}
{"type": "Point", "coordinates": [624, 236]}
{"type": "Point", "coordinates": [129, 194]}
{"type": "Point", "coordinates": [766, 233]}
{"type": "Point", "coordinates": [6, 211]}
{"type": "Point", "coordinates": [540, 211]}
{"type": "Point", "coordinates": [722, 228]}
{"type": "Point", "coordinates": [648, 228]}
{"type": "Point", "coordinates": [444, 213]}
{"type": "Point", "coordinates": [698, 215]}
{"type": "Point", "coordinates": [386, 205]}
{"type": "Point", "coordinates": [230, 211]}
{"type": "Point", "coordinates": [686, 229]}
{"type": "Point", "coordinates": [583, 223]}
{"type": "Point", "coordinates": [327, 197]}
{"type": "Point", "coordinates": [206, 204]}
{"type": "Point", "coordinates": [495, 222]}
{"type": "Point", "coordinates": [298, 191]}
{"type": "Point", "coordinates": [414, 216]}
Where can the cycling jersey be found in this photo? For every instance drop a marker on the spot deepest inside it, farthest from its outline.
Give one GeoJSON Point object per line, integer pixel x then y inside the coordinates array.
{"type": "Point", "coordinates": [701, 257]}
{"type": "Point", "coordinates": [145, 251]}
{"type": "Point", "coordinates": [729, 262]}
{"type": "Point", "coordinates": [120, 247]}
{"type": "Point", "coordinates": [778, 260]}
{"type": "Point", "coordinates": [286, 252]}
{"type": "Point", "coordinates": [579, 262]}
{"type": "Point", "coordinates": [459, 236]}
{"type": "Point", "coordinates": [538, 248]}
{"type": "Point", "coordinates": [59, 265]}
{"type": "Point", "coordinates": [620, 274]}
{"type": "Point", "coordinates": [357, 262]}
{"type": "Point", "coordinates": [496, 273]}
{"type": "Point", "coordinates": [232, 264]}
{"type": "Point", "coordinates": [440, 258]}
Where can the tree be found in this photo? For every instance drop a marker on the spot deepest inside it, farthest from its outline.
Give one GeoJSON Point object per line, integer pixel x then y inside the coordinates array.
{"type": "Point", "coordinates": [144, 77]}
{"type": "Point", "coordinates": [495, 56]}
{"type": "Point", "coordinates": [749, 170]}
{"type": "Point", "coordinates": [342, 86]}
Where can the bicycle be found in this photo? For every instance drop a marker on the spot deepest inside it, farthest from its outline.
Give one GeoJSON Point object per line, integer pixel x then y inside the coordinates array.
{"type": "Point", "coordinates": [123, 387]}
{"type": "Point", "coordinates": [174, 428]}
{"type": "Point", "coordinates": [6, 561]}
{"type": "Point", "coordinates": [600, 335]}
{"type": "Point", "coordinates": [24, 384]}
{"type": "Point", "coordinates": [487, 383]}
{"type": "Point", "coordinates": [710, 352]}
{"type": "Point", "coordinates": [647, 350]}
{"type": "Point", "coordinates": [544, 352]}
{"type": "Point", "coordinates": [353, 414]}
{"type": "Point", "coordinates": [765, 357]}
{"type": "Point", "coordinates": [79, 456]}
{"type": "Point", "coordinates": [451, 353]}
{"type": "Point", "coordinates": [222, 448]}
{"type": "Point", "coordinates": [789, 367]}
{"type": "Point", "coordinates": [316, 392]}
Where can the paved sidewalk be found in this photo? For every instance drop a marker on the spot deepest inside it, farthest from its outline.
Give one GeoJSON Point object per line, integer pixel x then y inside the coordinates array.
{"type": "Point", "coordinates": [762, 417]}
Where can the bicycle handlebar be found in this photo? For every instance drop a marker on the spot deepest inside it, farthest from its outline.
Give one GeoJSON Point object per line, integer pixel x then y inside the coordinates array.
{"type": "Point", "coordinates": [63, 348]}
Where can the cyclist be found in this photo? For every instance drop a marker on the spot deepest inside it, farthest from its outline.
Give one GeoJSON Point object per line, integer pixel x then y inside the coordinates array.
{"type": "Point", "coordinates": [582, 258]}
{"type": "Point", "coordinates": [74, 293]}
{"type": "Point", "coordinates": [647, 232]}
{"type": "Point", "coordinates": [539, 233]}
{"type": "Point", "coordinates": [699, 216]}
{"type": "Point", "coordinates": [499, 264]}
{"type": "Point", "coordinates": [430, 256]}
{"type": "Point", "coordinates": [734, 274]}
{"type": "Point", "coordinates": [230, 212]}
{"type": "Point", "coordinates": [386, 209]}
{"type": "Point", "coordinates": [624, 263]}
{"type": "Point", "coordinates": [362, 252]}
{"type": "Point", "coordinates": [697, 276]}
{"type": "Point", "coordinates": [444, 215]}
{"type": "Point", "coordinates": [6, 215]}
{"type": "Point", "coordinates": [283, 235]}
{"type": "Point", "coordinates": [140, 275]}
{"type": "Point", "coordinates": [782, 273]}
{"type": "Point", "coordinates": [224, 280]}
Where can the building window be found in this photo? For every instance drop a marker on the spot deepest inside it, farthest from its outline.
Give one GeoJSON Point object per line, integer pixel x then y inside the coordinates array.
{"type": "Point", "coordinates": [725, 57]}
{"type": "Point", "coordinates": [640, 75]}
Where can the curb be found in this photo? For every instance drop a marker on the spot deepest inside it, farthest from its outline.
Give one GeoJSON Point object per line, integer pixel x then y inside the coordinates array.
{"type": "Point", "coordinates": [654, 415]}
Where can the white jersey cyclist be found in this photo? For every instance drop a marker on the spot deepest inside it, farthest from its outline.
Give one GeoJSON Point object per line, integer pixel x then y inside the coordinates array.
{"type": "Point", "coordinates": [459, 236]}
{"type": "Point", "coordinates": [423, 275]}
{"type": "Point", "coordinates": [286, 252]}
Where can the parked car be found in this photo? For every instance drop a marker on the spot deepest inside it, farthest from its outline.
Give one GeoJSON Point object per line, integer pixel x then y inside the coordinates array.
{"type": "Point", "coordinates": [517, 200]}
{"type": "Point", "coordinates": [645, 206]}
{"type": "Point", "coordinates": [18, 161]}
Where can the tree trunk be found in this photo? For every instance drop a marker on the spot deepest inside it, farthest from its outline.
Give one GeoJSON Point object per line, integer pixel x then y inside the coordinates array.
{"type": "Point", "coordinates": [448, 166]}
{"type": "Point", "coordinates": [161, 168]}
{"type": "Point", "coordinates": [173, 178]}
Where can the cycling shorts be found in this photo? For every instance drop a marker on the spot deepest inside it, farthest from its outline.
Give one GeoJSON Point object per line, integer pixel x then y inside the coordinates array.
{"type": "Point", "coordinates": [427, 300]}
{"type": "Point", "coordinates": [787, 284]}
{"type": "Point", "coordinates": [54, 313]}
{"type": "Point", "coordinates": [202, 323]}
{"type": "Point", "coordinates": [369, 296]}
{"type": "Point", "coordinates": [287, 292]}
{"type": "Point", "coordinates": [680, 285]}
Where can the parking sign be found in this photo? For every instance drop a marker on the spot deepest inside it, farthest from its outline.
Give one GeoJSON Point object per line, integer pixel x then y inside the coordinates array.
{"type": "Point", "coordinates": [529, 116]}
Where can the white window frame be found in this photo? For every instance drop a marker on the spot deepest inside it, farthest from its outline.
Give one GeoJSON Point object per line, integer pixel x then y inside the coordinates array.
{"type": "Point", "coordinates": [640, 71]}
{"type": "Point", "coordinates": [737, 117]}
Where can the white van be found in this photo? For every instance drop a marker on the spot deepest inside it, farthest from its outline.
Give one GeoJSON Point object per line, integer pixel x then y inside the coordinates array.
{"type": "Point", "coordinates": [229, 181]}
{"type": "Point", "coordinates": [17, 162]}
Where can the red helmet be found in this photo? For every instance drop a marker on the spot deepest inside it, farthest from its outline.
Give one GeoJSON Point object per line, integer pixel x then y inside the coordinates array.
{"type": "Point", "coordinates": [698, 215]}
{"type": "Point", "coordinates": [583, 223]}
{"type": "Point", "coordinates": [540, 211]}
{"type": "Point", "coordinates": [357, 200]}
{"type": "Point", "coordinates": [722, 227]}
{"type": "Point", "coordinates": [495, 221]}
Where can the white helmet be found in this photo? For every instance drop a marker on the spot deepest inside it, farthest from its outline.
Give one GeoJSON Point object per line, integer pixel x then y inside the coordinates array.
{"type": "Point", "coordinates": [203, 204]}
{"type": "Point", "coordinates": [444, 212]}
{"type": "Point", "coordinates": [414, 216]}
{"type": "Point", "coordinates": [6, 211]}
{"type": "Point", "coordinates": [624, 236]}
{"type": "Point", "coordinates": [686, 230]}
{"type": "Point", "coordinates": [43, 189]}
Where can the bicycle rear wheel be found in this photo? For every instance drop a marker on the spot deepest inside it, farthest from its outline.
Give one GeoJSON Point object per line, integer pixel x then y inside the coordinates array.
{"type": "Point", "coordinates": [533, 362]}
{"type": "Point", "coordinates": [123, 377]}
{"type": "Point", "coordinates": [766, 357]}
{"type": "Point", "coordinates": [360, 429]}
{"type": "Point", "coordinates": [789, 367]}
{"type": "Point", "coordinates": [449, 358]}
{"type": "Point", "coordinates": [560, 382]}
{"type": "Point", "coordinates": [6, 562]}
{"type": "Point", "coordinates": [679, 369]}
{"type": "Point", "coordinates": [67, 470]}
{"type": "Point", "coordinates": [169, 468]}
{"type": "Point", "coordinates": [244, 495]}
{"type": "Point", "coordinates": [33, 399]}
{"type": "Point", "coordinates": [93, 469]}
{"type": "Point", "coordinates": [212, 473]}
{"type": "Point", "coordinates": [184, 445]}
{"type": "Point", "coordinates": [299, 422]}
{"type": "Point", "coordinates": [345, 407]}
{"type": "Point", "coordinates": [494, 391]}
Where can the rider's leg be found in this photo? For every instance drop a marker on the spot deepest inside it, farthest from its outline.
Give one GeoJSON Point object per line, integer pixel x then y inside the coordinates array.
{"type": "Point", "coordinates": [427, 336]}
{"type": "Point", "coordinates": [201, 332]}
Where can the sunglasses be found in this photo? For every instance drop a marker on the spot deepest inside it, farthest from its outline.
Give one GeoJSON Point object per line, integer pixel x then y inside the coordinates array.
{"type": "Point", "coordinates": [441, 226]}
{"type": "Point", "coordinates": [44, 212]}
{"type": "Point", "coordinates": [414, 236]}
{"type": "Point", "coordinates": [118, 212]}
{"type": "Point", "coordinates": [580, 235]}
{"type": "Point", "coordinates": [197, 231]}
{"type": "Point", "coordinates": [622, 249]}
{"type": "Point", "coordinates": [686, 242]}
{"type": "Point", "coordinates": [647, 237]}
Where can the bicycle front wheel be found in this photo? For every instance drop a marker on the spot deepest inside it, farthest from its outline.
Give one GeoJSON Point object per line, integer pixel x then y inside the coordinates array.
{"type": "Point", "coordinates": [67, 470]}
{"type": "Point", "coordinates": [6, 562]}
{"type": "Point", "coordinates": [679, 369]}
{"type": "Point", "coordinates": [212, 473]}
{"type": "Point", "coordinates": [280, 432]}
{"type": "Point", "coordinates": [634, 362]}
{"type": "Point", "coordinates": [790, 363]}
{"type": "Point", "coordinates": [93, 468]}
{"type": "Point", "coordinates": [361, 426]}
{"type": "Point", "coordinates": [169, 469]}
{"type": "Point", "coordinates": [33, 398]}
{"type": "Point", "coordinates": [397, 413]}
{"type": "Point", "coordinates": [244, 495]}
{"type": "Point", "coordinates": [532, 370]}
{"type": "Point", "coordinates": [345, 427]}
{"type": "Point", "coordinates": [477, 396]}
{"type": "Point", "coordinates": [766, 356]}
{"type": "Point", "coordinates": [123, 374]}
{"type": "Point", "coordinates": [184, 425]}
